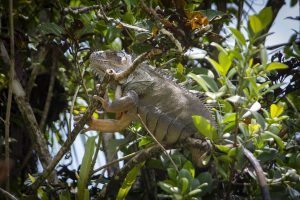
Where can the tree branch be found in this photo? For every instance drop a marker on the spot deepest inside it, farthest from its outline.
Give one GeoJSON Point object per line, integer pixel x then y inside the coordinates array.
{"type": "Point", "coordinates": [72, 136]}
{"type": "Point", "coordinates": [259, 173]}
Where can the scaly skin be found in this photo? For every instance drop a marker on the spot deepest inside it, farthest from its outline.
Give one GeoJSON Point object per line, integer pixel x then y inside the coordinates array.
{"type": "Point", "coordinates": [164, 107]}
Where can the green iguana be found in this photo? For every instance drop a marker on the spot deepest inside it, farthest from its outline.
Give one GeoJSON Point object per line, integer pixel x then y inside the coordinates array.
{"type": "Point", "coordinates": [164, 107]}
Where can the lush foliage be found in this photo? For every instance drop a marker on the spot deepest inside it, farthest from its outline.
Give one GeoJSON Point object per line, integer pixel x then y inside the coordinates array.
{"type": "Point", "coordinates": [254, 95]}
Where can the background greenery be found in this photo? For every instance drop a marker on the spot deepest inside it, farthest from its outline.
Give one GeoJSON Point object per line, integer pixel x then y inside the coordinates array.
{"type": "Point", "coordinates": [253, 91]}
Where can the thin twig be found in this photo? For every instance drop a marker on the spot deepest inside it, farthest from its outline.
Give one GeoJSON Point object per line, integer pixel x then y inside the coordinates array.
{"type": "Point", "coordinates": [72, 109]}
{"type": "Point", "coordinates": [8, 195]}
{"type": "Point", "coordinates": [101, 15]}
{"type": "Point", "coordinates": [115, 161]}
{"type": "Point", "coordinates": [135, 64]}
{"type": "Point", "coordinates": [172, 38]}
{"type": "Point", "coordinates": [240, 14]}
{"type": "Point", "coordinates": [157, 142]}
{"type": "Point", "coordinates": [49, 93]}
{"type": "Point", "coordinates": [77, 10]}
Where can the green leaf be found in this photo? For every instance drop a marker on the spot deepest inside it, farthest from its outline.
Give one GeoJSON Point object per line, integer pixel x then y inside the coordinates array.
{"type": "Point", "coordinates": [276, 110]}
{"type": "Point", "coordinates": [129, 180]}
{"type": "Point", "coordinates": [239, 37]}
{"type": "Point", "coordinates": [189, 167]}
{"type": "Point", "coordinates": [179, 68]}
{"type": "Point", "coordinates": [265, 16]}
{"type": "Point", "coordinates": [51, 28]}
{"type": "Point", "coordinates": [278, 140]}
{"type": "Point", "coordinates": [229, 117]}
{"type": "Point", "coordinates": [259, 119]}
{"type": "Point", "coordinates": [184, 182]}
{"type": "Point", "coordinates": [296, 49]}
{"type": "Point", "coordinates": [168, 188]}
{"type": "Point", "coordinates": [84, 173]}
{"type": "Point", "coordinates": [206, 82]}
{"type": "Point", "coordinates": [206, 178]}
{"type": "Point", "coordinates": [194, 192]}
{"type": "Point", "coordinates": [276, 65]}
{"type": "Point", "coordinates": [223, 148]}
{"type": "Point", "coordinates": [205, 128]}
{"type": "Point", "coordinates": [199, 80]}
{"type": "Point", "coordinates": [219, 68]}
{"type": "Point", "coordinates": [255, 24]}
{"type": "Point", "coordinates": [225, 61]}
{"type": "Point", "coordinates": [145, 140]}
{"type": "Point", "coordinates": [64, 195]}
{"type": "Point", "coordinates": [172, 173]}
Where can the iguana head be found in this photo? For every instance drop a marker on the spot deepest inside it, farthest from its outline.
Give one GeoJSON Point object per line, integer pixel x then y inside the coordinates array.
{"type": "Point", "coordinates": [100, 61]}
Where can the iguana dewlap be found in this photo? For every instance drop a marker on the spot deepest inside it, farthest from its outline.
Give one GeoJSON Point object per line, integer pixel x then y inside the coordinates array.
{"type": "Point", "coordinates": [165, 108]}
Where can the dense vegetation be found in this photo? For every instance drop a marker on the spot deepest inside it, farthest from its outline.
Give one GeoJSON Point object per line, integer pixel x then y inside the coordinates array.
{"type": "Point", "coordinates": [212, 47]}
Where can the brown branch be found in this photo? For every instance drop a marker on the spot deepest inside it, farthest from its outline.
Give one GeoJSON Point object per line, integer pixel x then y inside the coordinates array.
{"type": "Point", "coordinates": [9, 98]}
{"type": "Point", "coordinates": [81, 9]}
{"type": "Point", "coordinates": [102, 15]}
{"type": "Point", "coordinates": [259, 173]}
{"type": "Point", "coordinates": [8, 195]}
{"type": "Point", "coordinates": [72, 136]}
{"type": "Point", "coordinates": [135, 64]}
{"type": "Point", "coordinates": [49, 93]}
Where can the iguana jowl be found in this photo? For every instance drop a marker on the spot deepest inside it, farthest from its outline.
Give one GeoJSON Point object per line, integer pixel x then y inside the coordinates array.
{"type": "Point", "coordinates": [165, 108]}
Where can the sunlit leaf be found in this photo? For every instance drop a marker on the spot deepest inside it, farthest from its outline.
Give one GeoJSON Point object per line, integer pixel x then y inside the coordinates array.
{"type": "Point", "coordinates": [229, 117]}
{"type": "Point", "coordinates": [219, 68]}
{"type": "Point", "coordinates": [276, 65]}
{"type": "Point", "coordinates": [128, 181]}
{"type": "Point", "coordinates": [84, 173]}
{"type": "Point", "coordinates": [255, 24]}
{"type": "Point", "coordinates": [184, 182]}
{"type": "Point", "coordinates": [205, 128]}
{"type": "Point", "coordinates": [225, 61]}
{"type": "Point", "coordinates": [265, 16]}
{"type": "Point", "coordinates": [145, 140]}
{"type": "Point", "coordinates": [223, 148]}
{"type": "Point", "coordinates": [276, 110]}
{"type": "Point", "coordinates": [189, 166]}
{"type": "Point", "coordinates": [238, 36]}
{"type": "Point", "coordinates": [199, 80]}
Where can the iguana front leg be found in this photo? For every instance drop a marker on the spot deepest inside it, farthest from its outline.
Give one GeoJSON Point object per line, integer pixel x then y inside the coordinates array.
{"type": "Point", "coordinates": [119, 105]}
{"type": "Point", "coordinates": [125, 105]}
